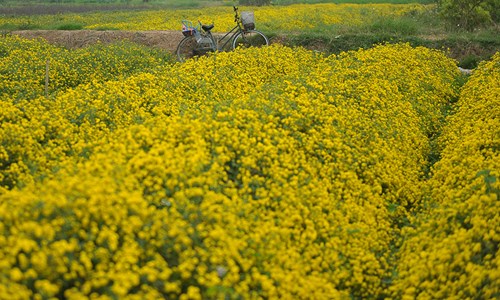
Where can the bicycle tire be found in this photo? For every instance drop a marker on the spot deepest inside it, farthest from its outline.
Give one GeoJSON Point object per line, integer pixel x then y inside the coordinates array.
{"type": "Point", "coordinates": [186, 48]}
{"type": "Point", "coordinates": [250, 38]}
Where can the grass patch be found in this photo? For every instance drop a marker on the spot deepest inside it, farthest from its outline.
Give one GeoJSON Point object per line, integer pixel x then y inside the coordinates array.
{"type": "Point", "coordinates": [28, 26]}
{"type": "Point", "coordinates": [470, 61]}
{"type": "Point", "coordinates": [71, 26]}
{"type": "Point", "coordinates": [395, 26]}
{"type": "Point", "coordinates": [8, 27]}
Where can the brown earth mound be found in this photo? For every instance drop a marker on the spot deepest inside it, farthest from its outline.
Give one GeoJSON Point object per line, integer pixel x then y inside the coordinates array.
{"type": "Point", "coordinates": [166, 40]}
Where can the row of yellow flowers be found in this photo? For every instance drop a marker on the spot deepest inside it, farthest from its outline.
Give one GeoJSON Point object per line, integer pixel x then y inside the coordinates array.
{"type": "Point", "coordinates": [454, 250]}
{"type": "Point", "coordinates": [282, 18]}
{"type": "Point", "coordinates": [24, 65]}
{"type": "Point", "coordinates": [260, 173]}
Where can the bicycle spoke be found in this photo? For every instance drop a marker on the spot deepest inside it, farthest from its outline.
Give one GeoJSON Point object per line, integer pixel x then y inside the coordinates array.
{"type": "Point", "coordinates": [187, 48]}
{"type": "Point", "coordinates": [250, 38]}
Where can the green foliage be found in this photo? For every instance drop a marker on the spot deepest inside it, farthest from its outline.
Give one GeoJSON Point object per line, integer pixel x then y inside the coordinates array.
{"type": "Point", "coordinates": [395, 26]}
{"type": "Point", "coordinates": [28, 26]}
{"type": "Point", "coordinates": [470, 61]}
{"type": "Point", "coordinates": [70, 26]}
{"type": "Point", "coordinates": [469, 14]}
{"type": "Point", "coordinates": [255, 2]}
{"type": "Point", "coordinates": [288, 2]}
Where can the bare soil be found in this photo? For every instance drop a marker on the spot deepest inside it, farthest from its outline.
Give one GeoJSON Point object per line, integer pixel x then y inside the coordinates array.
{"type": "Point", "coordinates": [73, 39]}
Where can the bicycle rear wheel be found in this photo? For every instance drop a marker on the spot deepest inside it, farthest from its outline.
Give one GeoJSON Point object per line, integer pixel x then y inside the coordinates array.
{"type": "Point", "coordinates": [250, 38]}
{"type": "Point", "coordinates": [186, 48]}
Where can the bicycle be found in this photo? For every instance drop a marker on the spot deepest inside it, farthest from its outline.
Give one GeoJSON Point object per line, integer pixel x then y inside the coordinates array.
{"type": "Point", "coordinates": [201, 42]}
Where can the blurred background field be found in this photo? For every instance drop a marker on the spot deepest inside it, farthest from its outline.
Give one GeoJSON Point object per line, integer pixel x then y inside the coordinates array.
{"type": "Point", "coordinates": [124, 4]}
{"type": "Point", "coordinates": [327, 26]}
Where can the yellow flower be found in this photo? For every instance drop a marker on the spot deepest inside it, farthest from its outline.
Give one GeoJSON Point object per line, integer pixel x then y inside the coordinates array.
{"type": "Point", "coordinates": [257, 173]}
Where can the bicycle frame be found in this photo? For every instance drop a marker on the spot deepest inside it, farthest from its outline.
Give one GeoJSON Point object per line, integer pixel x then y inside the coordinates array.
{"type": "Point", "coordinates": [231, 34]}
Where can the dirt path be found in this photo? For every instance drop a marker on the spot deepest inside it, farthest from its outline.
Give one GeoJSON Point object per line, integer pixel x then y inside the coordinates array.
{"type": "Point", "coordinates": [72, 39]}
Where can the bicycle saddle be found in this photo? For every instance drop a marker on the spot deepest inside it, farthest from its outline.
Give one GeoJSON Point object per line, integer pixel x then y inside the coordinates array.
{"type": "Point", "coordinates": [207, 27]}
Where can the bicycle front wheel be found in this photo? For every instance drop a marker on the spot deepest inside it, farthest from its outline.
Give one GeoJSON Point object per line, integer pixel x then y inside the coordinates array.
{"type": "Point", "coordinates": [186, 48]}
{"type": "Point", "coordinates": [250, 38]}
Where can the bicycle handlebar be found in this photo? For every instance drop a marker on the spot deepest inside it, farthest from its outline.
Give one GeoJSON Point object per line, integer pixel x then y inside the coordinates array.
{"type": "Point", "coordinates": [236, 17]}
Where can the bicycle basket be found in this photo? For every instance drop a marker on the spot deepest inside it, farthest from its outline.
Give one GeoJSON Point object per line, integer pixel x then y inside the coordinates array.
{"type": "Point", "coordinates": [188, 29]}
{"type": "Point", "coordinates": [248, 20]}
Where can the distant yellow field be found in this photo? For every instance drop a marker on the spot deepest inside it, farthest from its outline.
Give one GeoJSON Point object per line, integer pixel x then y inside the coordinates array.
{"type": "Point", "coordinates": [286, 18]}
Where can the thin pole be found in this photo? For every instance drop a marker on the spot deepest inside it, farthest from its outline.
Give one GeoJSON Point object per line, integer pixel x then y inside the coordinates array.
{"type": "Point", "coordinates": [47, 78]}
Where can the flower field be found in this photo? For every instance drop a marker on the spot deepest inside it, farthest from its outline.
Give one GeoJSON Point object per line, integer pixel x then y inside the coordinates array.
{"type": "Point", "coordinates": [259, 173]}
{"type": "Point", "coordinates": [268, 18]}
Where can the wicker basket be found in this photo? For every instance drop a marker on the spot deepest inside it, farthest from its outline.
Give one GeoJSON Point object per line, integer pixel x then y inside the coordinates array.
{"type": "Point", "coordinates": [248, 20]}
